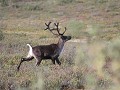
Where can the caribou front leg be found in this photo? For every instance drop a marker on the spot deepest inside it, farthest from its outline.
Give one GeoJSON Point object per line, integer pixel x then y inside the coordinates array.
{"type": "Point", "coordinates": [57, 60]}
{"type": "Point", "coordinates": [53, 61]}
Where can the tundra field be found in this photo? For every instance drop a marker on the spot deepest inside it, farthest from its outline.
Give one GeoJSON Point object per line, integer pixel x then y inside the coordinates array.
{"type": "Point", "coordinates": [91, 59]}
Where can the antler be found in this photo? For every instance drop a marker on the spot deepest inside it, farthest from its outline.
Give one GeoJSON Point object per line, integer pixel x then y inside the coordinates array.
{"type": "Point", "coordinates": [56, 28]}
{"type": "Point", "coordinates": [47, 26]}
{"type": "Point", "coordinates": [64, 31]}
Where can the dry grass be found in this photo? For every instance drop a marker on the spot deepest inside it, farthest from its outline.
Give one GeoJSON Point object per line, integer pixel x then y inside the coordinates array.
{"type": "Point", "coordinates": [91, 60]}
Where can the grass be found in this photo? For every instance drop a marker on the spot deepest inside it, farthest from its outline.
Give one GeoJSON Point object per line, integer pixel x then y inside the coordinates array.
{"type": "Point", "coordinates": [94, 23]}
{"type": "Point", "coordinates": [75, 69]}
{"type": "Point", "coordinates": [76, 28]}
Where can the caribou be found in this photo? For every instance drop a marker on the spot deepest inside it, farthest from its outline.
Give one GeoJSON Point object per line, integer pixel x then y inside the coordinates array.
{"type": "Point", "coordinates": [52, 51]}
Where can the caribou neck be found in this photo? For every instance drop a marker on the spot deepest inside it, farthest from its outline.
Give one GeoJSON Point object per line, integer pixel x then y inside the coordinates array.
{"type": "Point", "coordinates": [60, 44]}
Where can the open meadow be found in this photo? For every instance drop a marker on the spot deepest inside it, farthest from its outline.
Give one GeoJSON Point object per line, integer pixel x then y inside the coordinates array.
{"type": "Point", "coordinates": [91, 59]}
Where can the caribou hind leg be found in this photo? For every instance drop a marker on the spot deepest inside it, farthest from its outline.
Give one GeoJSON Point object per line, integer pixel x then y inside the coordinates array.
{"type": "Point", "coordinates": [24, 59]}
{"type": "Point", "coordinates": [28, 58]}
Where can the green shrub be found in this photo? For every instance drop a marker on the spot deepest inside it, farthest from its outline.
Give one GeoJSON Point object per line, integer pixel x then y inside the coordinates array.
{"type": "Point", "coordinates": [113, 49]}
{"type": "Point", "coordinates": [4, 3]}
{"type": "Point", "coordinates": [1, 35]}
{"type": "Point", "coordinates": [61, 2]}
{"type": "Point", "coordinates": [101, 1]}
{"type": "Point", "coordinates": [76, 28]}
{"type": "Point", "coordinates": [66, 1]}
{"type": "Point", "coordinates": [34, 7]}
{"type": "Point", "coordinates": [28, 6]}
{"type": "Point", "coordinates": [103, 84]}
